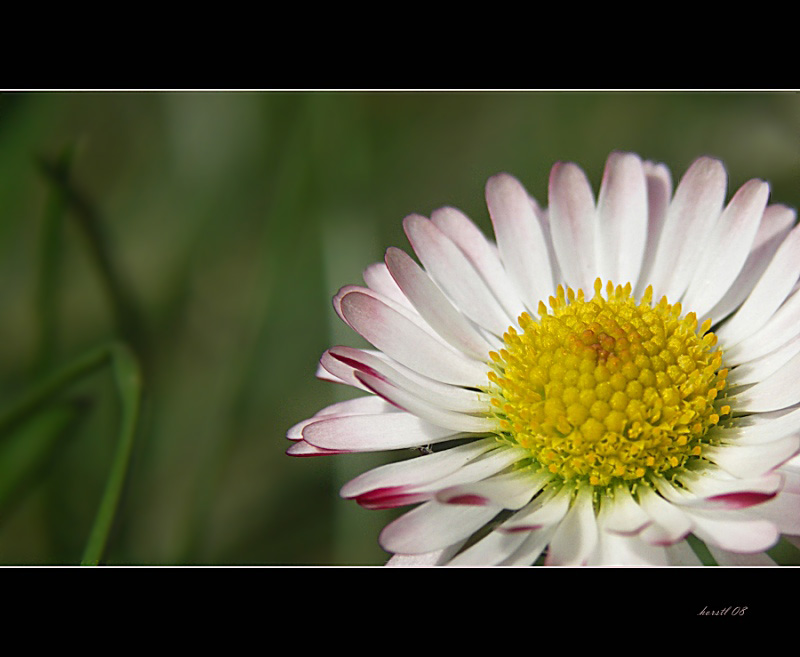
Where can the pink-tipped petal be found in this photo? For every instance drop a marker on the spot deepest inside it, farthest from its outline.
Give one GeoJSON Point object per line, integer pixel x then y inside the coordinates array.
{"type": "Point", "coordinates": [712, 490]}
{"type": "Point", "coordinates": [482, 254]}
{"type": "Point", "coordinates": [302, 448]}
{"type": "Point", "coordinates": [455, 275]}
{"type": "Point", "coordinates": [510, 491]}
{"type": "Point", "coordinates": [378, 278]}
{"type": "Point", "coordinates": [445, 396]}
{"type": "Point", "coordinates": [390, 498]}
{"type": "Point", "coordinates": [401, 339]}
{"type": "Point", "coordinates": [408, 401]}
{"type": "Point", "coordinates": [417, 471]}
{"type": "Point", "coordinates": [370, 433]}
{"type": "Point", "coordinates": [359, 406]}
{"type": "Point", "coordinates": [434, 307]}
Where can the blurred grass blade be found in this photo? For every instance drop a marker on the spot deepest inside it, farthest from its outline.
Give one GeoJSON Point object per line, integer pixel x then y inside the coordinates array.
{"type": "Point", "coordinates": [32, 448]}
{"type": "Point", "coordinates": [49, 260]}
{"type": "Point", "coordinates": [42, 392]}
{"type": "Point", "coordinates": [129, 385]}
{"type": "Point", "coordinates": [126, 311]}
{"type": "Point", "coordinates": [784, 553]}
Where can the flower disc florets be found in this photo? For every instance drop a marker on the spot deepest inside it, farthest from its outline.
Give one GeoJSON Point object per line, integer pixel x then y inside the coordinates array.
{"type": "Point", "coordinates": [608, 389]}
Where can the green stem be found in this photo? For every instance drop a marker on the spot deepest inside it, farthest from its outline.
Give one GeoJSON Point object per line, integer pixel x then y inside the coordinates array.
{"type": "Point", "coordinates": [129, 384]}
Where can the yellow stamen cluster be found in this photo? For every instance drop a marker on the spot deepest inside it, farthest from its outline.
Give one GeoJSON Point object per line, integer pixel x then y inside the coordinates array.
{"type": "Point", "coordinates": [608, 389]}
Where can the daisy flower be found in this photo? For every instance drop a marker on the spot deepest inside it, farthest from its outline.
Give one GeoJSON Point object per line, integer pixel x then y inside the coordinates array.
{"type": "Point", "coordinates": [608, 378]}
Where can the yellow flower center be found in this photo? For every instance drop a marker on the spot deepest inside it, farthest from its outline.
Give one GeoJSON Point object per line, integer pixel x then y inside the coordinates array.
{"type": "Point", "coordinates": [608, 389]}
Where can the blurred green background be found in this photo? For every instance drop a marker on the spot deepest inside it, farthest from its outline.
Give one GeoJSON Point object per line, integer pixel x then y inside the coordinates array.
{"type": "Point", "coordinates": [230, 219]}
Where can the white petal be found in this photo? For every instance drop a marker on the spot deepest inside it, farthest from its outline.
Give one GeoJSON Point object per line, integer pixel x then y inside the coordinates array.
{"type": "Point", "coordinates": [407, 492]}
{"type": "Point", "coordinates": [733, 530]}
{"type": "Point", "coordinates": [434, 307]}
{"type": "Point", "coordinates": [400, 338]}
{"type": "Point", "coordinates": [616, 550]}
{"type": "Point", "coordinates": [621, 219]}
{"type": "Point", "coordinates": [341, 372]}
{"type": "Point", "coordinates": [780, 329]}
{"type": "Point", "coordinates": [704, 490]}
{"type": "Point", "coordinates": [435, 558]}
{"type": "Point", "coordinates": [694, 209]}
{"type": "Point", "coordinates": [768, 294]}
{"type": "Point", "coordinates": [621, 514]}
{"type": "Point", "coordinates": [779, 390]}
{"type": "Point", "coordinates": [572, 225]}
{"type": "Point", "coordinates": [378, 278]}
{"type": "Point", "coordinates": [669, 525]}
{"type": "Point", "coordinates": [433, 526]}
{"type": "Point", "coordinates": [752, 460]}
{"type": "Point", "coordinates": [719, 486]}
{"type": "Point", "coordinates": [510, 490]}
{"type": "Point", "coordinates": [758, 369]}
{"type": "Point", "coordinates": [480, 468]}
{"type": "Point", "coordinates": [775, 225]}
{"type": "Point", "coordinates": [533, 546]}
{"type": "Point", "coordinates": [783, 511]}
{"type": "Point", "coordinates": [454, 274]}
{"type": "Point", "coordinates": [444, 396]}
{"type": "Point", "coordinates": [302, 448]}
{"type": "Point", "coordinates": [544, 221]}
{"type": "Point", "coordinates": [359, 406]}
{"type": "Point", "coordinates": [760, 428]}
{"type": "Point", "coordinates": [369, 433]}
{"type": "Point", "coordinates": [482, 254]}
{"type": "Point", "coordinates": [490, 550]}
{"type": "Point", "coordinates": [576, 535]}
{"type": "Point", "coordinates": [408, 401]}
{"type": "Point", "coordinates": [729, 246]}
{"type": "Point", "coordinates": [404, 309]}
{"type": "Point", "coordinates": [545, 510]}
{"type": "Point", "coordinates": [659, 191]}
{"type": "Point", "coordinates": [416, 471]}
{"type": "Point", "coordinates": [520, 239]}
